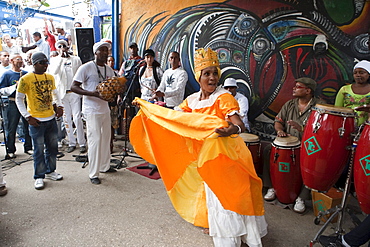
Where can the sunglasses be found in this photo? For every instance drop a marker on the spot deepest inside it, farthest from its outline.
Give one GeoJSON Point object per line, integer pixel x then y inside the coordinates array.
{"type": "Point", "coordinates": [62, 46]}
{"type": "Point", "coordinates": [43, 62]}
{"type": "Point", "coordinates": [298, 87]}
{"type": "Point", "coordinates": [227, 87]}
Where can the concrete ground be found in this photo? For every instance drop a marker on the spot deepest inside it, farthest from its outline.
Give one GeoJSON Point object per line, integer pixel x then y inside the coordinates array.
{"type": "Point", "coordinates": [125, 210]}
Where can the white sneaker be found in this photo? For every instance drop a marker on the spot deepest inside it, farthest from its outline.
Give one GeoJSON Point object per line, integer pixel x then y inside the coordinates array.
{"type": "Point", "coordinates": [39, 183]}
{"type": "Point", "coordinates": [54, 176]}
{"type": "Point", "coordinates": [60, 145]}
{"type": "Point", "coordinates": [299, 206]}
{"type": "Point", "coordinates": [270, 195]}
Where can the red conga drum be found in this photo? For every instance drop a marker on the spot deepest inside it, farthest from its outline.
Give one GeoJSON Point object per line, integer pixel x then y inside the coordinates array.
{"type": "Point", "coordinates": [254, 145]}
{"type": "Point", "coordinates": [325, 143]}
{"type": "Point", "coordinates": [285, 170]}
{"type": "Point", "coordinates": [361, 172]}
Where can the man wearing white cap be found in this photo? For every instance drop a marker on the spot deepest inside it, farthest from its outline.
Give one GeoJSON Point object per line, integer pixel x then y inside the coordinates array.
{"type": "Point", "coordinates": [96, 110]}
{"type": "Point", "coordinates": [64, 67]}
{"type": "Point", "coordinates": [231, 85]}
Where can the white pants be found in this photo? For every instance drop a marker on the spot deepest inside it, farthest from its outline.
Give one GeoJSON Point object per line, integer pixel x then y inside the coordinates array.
{"type": "Point", "coordinates": [2, 181]}
{"type": "Point", "coordinates": [230, 229]}
{"type": "Point", "coordinates": [72, 114]}
{"type": "Point", "coordinates": [98, 139]}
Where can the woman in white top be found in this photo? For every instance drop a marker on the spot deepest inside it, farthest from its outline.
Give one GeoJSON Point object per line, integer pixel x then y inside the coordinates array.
{"type": "Point", "coordinates": [150, 75]}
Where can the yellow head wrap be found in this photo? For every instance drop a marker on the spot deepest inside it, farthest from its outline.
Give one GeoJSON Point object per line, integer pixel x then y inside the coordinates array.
{"type": "Point", "coordinates": [204, 59]}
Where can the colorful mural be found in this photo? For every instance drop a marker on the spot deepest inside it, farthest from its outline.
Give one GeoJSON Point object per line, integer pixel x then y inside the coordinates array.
{"type": "Point", "coordinates": [264, 44]}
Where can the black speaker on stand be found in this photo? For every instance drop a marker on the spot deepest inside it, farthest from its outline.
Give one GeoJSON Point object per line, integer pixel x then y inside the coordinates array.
{"type": "Point", "coordinates": [84, 43]}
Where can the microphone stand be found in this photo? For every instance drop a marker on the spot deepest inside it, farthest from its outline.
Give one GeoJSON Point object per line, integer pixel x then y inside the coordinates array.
{"type": "Point", "coordinates": [127, 107]}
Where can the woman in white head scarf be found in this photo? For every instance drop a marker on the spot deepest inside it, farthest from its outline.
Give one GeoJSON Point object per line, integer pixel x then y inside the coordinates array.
{"type": "Point", "coordinates": [358, 93]}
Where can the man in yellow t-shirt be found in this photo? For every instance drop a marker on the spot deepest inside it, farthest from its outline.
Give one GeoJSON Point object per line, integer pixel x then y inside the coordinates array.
{"type": "Point", "coordinates": [39, 89]}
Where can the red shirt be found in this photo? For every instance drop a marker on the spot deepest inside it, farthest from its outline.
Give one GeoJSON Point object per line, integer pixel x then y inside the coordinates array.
{"type": "Point", "coordinates": [50, 39]}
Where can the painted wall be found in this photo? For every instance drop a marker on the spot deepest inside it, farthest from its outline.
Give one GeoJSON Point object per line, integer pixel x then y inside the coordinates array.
{"type": "Point", "coordinates": [264, 44]}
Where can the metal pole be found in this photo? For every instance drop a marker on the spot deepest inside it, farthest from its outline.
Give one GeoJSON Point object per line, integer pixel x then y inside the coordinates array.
{"type": "Point", "coordinates": [115, 33]}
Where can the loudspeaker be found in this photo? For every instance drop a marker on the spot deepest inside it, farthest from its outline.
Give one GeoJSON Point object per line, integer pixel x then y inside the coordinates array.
{"type": "Point", "coordinates": [85, 42]}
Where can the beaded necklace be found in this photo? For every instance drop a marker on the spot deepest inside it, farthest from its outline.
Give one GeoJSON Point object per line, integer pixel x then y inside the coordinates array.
{"type": "Point", "coordinates": [46, 79]}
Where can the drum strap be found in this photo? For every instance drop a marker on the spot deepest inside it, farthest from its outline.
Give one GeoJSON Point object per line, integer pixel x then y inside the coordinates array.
{"type": "Point", "coordinates": [99, 74]}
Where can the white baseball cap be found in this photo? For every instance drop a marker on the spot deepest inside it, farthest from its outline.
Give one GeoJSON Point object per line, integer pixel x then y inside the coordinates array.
{"type": "Point", "coordinates": [97, 45]}
{"type": "Point", "coordinates": [230, 82]}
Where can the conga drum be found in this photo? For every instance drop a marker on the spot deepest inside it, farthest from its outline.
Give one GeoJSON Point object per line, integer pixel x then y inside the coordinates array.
{"type": "Point", "coordinates": [254, 145]}
{"type": "Point", "coordinates": [285, 170]}
{"type": "Point", "coordinates": [361, 172]}
{"type": "Point", "coordinates": [325, 143]}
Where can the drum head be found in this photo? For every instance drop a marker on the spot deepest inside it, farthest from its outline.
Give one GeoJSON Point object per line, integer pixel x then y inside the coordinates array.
{"type": "Point", "coordinates": [288, 141]}
{"type": "Point", "coordinates": [333, 109]}
{"type": "Point", "coordinates": [249, 137]}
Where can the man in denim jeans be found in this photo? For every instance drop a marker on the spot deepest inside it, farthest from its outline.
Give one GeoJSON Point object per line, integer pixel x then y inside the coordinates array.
{"type": "Point", "coordinates": [39, 88]}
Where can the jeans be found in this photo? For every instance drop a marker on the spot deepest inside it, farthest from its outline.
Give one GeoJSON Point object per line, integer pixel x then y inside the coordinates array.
{"type": "Point", "coordinates": [359, 235]}
{"type": "Point", "coordinates": [44, 137]}
{"type": "Point", "coordinates": [61, 129]}
{"type": "Point", "coordinates": [12, 117]}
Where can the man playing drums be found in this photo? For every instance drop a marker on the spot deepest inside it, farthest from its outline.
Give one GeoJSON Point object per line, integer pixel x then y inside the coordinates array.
{"type": "Point", "coordinates": [290, 121]}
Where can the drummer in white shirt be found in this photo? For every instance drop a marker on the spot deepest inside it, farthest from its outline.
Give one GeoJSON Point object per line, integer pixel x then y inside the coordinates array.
{"type": "Point", "coordinates": [231, 85]}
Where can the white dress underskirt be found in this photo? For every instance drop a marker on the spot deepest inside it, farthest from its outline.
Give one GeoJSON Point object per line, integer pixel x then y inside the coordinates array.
{"type": "Point", "coordinates": [228, 228]}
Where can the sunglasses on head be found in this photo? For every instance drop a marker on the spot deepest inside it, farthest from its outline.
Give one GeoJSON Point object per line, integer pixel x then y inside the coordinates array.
{"type": "Point", "coordinates": [62, 46]}
{"type": "Point", "coordinates": [43, 62]}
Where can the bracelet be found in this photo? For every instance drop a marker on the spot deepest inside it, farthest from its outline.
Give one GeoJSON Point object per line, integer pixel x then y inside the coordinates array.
{"type": "Point", "coordinates": [239, 129]}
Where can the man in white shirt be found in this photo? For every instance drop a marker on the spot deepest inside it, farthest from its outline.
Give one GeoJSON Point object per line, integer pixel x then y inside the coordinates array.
{"type": "Point", "coordinates": [63, 67]}
{"type": "Point", "coordinates": [173, 83]}
{"type": "Point", "coordinates": [231, 85]}
{"type": "Point", "coordinates": [4, 62]}
{"type": "Point", "coordinates": [9, 47]}
{"type": "Point", "coordinates": [40, 44]}
{"type": "Point", "coordinates": [96, 110]}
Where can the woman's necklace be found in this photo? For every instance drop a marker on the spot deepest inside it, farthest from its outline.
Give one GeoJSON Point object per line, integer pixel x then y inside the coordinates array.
{"type": "Point", "coordinates": [149, 72]}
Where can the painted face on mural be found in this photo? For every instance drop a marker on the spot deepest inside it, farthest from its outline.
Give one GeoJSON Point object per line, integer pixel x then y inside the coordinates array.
{"type": "Point", "coordinates": [208, 80]}
{"type": "Point", "coordinates": [361, 76]}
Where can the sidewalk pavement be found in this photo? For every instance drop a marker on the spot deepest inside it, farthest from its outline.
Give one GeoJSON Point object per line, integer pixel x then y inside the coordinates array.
{"type": "Point", "coordinates": [127, 209]}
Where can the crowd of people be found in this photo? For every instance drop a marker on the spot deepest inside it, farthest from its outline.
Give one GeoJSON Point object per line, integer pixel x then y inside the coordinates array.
{"type": "Point", "coordinates": [39, 90]}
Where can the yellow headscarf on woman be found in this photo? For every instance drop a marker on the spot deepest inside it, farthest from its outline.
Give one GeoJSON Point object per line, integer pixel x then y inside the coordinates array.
{"type": "Point", "coordinates": [204, 59]}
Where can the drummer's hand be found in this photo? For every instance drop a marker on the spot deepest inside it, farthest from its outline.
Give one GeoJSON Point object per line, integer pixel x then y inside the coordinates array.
{"type": "Point", "coordinates": [295, 125]}
{"type": "Point", "coordinates": [363, 108]}
{"type": "Point", "coordinates": [227, 131]}
{"type": "Point", "coordinates": [119, 99]}
{"type": "Point", "coordinates": [281, 133]}
{"type": "Point", "coordinates": [135, 103]}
